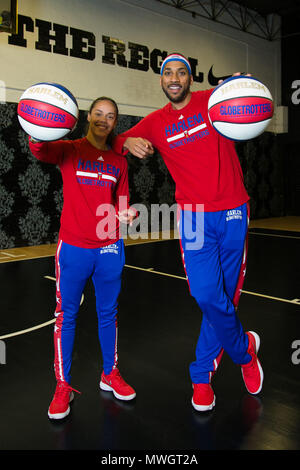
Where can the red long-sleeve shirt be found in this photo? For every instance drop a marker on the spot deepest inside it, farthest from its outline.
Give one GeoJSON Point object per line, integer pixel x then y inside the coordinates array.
{"type": "Point", "coordinates": [95, 188]}
{"type": "Point", "coordinates": [204, 165]}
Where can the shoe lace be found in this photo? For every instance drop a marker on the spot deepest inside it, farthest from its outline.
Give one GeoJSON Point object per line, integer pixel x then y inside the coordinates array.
{"type": "Point", "coordinates": [62, 389]}
{"type": "Point", "coordinates": [118, 376]}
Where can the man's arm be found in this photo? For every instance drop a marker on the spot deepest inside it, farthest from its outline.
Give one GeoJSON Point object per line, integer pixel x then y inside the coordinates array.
{"type": "Point", "coordinates": [125, 213]}
{"type": "Point", "coordinates": [138, 146]}
{"type": "Point", "coordinates": [137, 140]}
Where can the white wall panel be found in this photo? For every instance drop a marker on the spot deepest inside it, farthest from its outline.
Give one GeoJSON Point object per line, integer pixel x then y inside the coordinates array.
{"type": "Point", "coordinates": [144, 22]}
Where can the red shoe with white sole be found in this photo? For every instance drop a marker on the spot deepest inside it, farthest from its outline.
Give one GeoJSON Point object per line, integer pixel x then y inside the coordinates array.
{"type": "Point", "coordinates": [203, 397]}
{"type": "Point", "coordinates": [115, 383]}
{"type": "Point", "coordinates": [252, 372]}
{"type": "Point", "coordinates": [59, 407]}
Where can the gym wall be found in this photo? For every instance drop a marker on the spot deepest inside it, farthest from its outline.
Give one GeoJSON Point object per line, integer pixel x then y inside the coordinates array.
{"type": "Point", "coordinates": [115, 48]}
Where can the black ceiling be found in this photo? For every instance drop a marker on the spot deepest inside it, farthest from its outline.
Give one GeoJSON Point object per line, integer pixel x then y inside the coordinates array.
{"type": "Point", "coordinates": [265, 7]}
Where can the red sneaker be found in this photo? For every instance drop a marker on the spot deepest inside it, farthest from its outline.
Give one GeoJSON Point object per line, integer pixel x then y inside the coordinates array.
{"type": "Point", "coordinates": [114, 382]}
{"type": "Point", "coordinates": [203, 398]}
{"type": "Point", "coordinates": [252, 372]}
{"type": "Point", "coordinates": [59, 407]}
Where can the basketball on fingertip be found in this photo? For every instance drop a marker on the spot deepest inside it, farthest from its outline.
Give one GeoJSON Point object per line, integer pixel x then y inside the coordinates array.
{"type": "Point", "coordinates": [240, 108]}
{"type": "Point", "coordinates": [47, 111]}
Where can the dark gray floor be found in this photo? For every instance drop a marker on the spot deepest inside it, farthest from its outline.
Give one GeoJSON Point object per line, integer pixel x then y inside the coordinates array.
{"type": "Point", "coordinates": [158, 326]}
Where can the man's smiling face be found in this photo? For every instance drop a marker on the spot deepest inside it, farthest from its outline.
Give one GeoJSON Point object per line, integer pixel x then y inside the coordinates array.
{"type": "Point", "coordinates": [176, 81]}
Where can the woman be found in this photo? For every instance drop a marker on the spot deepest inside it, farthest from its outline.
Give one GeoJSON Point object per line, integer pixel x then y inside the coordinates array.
{"type": "Point", "coordinates": [95, 190]}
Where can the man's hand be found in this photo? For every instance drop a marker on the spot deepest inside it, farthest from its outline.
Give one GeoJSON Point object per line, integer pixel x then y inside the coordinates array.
{"type": "Point", "coordinates": [139, 147]}
{"type": "Point", "coordinates": [236, 74]}
{"type": "Point", "coordinates": [34, 141]}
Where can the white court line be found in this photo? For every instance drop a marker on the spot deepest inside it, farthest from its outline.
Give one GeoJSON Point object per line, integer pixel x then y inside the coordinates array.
{"type": "Point", "coordinates": [150, 270]}
{"type": "Point", "coordinates": [42, 325]}
{"type": "Point", "coordinates": [273, 235]}
{"type": "Point", "coordinates": [28, 329]}
{"type": "Point", "coordinates": [5, 255]}
{"type": "Point", "coordinates": [10, 254]}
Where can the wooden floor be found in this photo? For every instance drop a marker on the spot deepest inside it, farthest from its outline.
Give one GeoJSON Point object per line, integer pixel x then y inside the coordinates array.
{"type": "Point", "coordinates": [290, 224]}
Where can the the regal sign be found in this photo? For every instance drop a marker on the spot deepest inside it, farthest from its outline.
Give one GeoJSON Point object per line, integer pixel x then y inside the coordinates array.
{"type": "Point", "coordinates": [53, 38]}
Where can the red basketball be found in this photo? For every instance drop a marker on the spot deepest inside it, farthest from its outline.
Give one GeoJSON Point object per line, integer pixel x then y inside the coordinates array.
{"type": "Point", "coordinates": [240, 108]}
{"type": "Point", "coordinates": [47, 111]}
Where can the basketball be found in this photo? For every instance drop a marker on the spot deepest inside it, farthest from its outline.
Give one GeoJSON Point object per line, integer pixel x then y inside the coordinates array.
{"type": "Point", "coordinates": [240, 108]}
{"type": "Point", "coordinates": [47, 111]}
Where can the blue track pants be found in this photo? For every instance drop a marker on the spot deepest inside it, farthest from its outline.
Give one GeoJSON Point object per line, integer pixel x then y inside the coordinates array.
{"type": "Point", "coordinates": [214, 251]}
{"type": "Point", "coordinates": [74, 266]}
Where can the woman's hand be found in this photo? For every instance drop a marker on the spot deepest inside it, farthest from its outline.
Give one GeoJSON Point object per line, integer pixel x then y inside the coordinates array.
{"type": "Point", "coordinates": [139, 147]}
{"type": "Point", "coordinates": [127, 216]}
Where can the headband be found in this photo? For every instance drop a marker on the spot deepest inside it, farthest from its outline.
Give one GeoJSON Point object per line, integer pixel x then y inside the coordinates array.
{"type": "Point", "coordinates": [177, 57]}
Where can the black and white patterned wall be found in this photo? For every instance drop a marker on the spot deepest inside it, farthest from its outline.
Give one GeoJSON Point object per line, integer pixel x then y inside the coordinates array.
{"type": "Point", "coordinates": [31, 192]}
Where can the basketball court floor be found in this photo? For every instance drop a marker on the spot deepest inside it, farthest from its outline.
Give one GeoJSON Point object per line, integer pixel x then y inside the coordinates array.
{"type": "Point", "coordinates": [158, 327]}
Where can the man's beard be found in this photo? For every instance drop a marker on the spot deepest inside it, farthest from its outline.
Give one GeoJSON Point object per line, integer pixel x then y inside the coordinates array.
{"type": "Point", "coordinates": [182, 95]}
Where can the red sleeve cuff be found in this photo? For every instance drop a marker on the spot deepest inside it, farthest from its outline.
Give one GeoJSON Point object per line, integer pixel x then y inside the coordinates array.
{"type": "Point", "coordinates": [118, 144]}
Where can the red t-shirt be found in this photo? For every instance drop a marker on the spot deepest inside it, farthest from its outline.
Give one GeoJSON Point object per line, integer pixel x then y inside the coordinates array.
{"type": "Point", "coordinates": [203, 164]}
{"type": "Point", "coordinates": [95, 188]}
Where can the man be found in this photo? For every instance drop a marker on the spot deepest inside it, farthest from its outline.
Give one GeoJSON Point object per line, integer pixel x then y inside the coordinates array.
{"type": "Point", "coordinates": [211, 196]}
